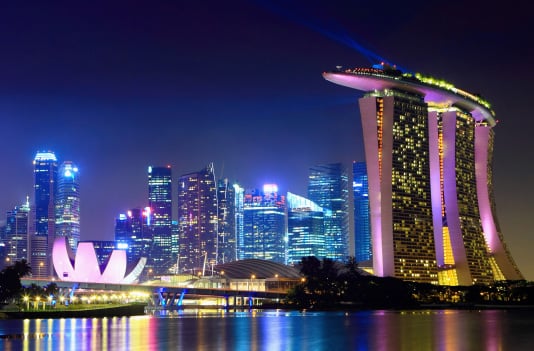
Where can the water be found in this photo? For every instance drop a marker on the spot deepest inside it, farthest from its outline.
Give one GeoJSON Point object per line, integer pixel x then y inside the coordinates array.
{"type": "Point", "coordinates": [278, 330]}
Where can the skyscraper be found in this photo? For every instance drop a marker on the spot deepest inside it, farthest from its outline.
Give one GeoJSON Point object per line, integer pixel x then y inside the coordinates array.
{"type": "Point", "coordinates": [160, 204]}
{"type": "Point", "coordinates": [328, 188]}
{"type": "Point", "coordinates": [17, 233]}
{"type": "Point", "coordinates": [45, 172]}
{"type": "Point", "coordinates": [362, 225]}
{"type": "Point", "coordinates": [239, 198]}
{"type": "Point", "coordinates": [133, 234]}
{"type": "Point", "coordinates": [305, 229]}
{"type": "Point", "coordinates": [226, 238]}
{"type": "Point", "coordinates": [67, 204]}
{"type": "Point", "coordinates": [197, 218]}
{"type": "Point", "coordinates": [428, 148]}
{"type": "Point", "coordinates": [264, 225]}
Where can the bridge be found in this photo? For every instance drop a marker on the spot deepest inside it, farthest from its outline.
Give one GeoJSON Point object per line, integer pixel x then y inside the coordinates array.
{"type": "Point", "coordinates": [163, 296]}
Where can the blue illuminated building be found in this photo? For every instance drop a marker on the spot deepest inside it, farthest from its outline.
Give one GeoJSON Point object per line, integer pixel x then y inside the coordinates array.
{"type": "Point", "coordinates": [67, 204]}
{"type": "Point", "coordinates": [16, 236]}
{"type": "Point", "coordinates": [160, 205]}
{"type": "Point", "coordinates": [45, 175]}
{"type": "Point", "coordinates": [305, 229]}
{"type": "Point", "coordinates": [264, 225]}
{"type": "Point", "coordinates": [239, 198]}
{"type": "Point", "coordinates": [362, 225]}
{"type": "Point", "coordinates": [226, 238]}
{"type": "Point", "coordinates": [328, 188]}
{"type": "Point", "coordinates": [133, 234]}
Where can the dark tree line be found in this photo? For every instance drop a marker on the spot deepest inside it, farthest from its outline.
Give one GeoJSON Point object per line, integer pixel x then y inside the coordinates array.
{"type": "Point", "coordinates": [10, 286]}
{"type": "Point", "coordinates": [331, 284]}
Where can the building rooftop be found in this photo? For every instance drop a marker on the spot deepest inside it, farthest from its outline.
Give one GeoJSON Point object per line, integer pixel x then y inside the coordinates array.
{"type": "Point", "coordinates": [260, 269]}
{"type": "Point", "coordinates": [435, 91]}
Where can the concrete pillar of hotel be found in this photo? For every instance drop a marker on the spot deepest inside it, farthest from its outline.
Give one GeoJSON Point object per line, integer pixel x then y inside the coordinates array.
{"type": "Point", "coordinates": [451, 199]}
{"type": "Point", "coordinates": [492, 235]}
{"type": "Point", "coordinates": [379, 183]}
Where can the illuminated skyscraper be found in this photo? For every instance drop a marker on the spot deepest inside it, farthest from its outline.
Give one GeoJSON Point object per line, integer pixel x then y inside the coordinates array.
{"type": "Point", "coordinates": [45, 172]}
{"type": "Point", "coordinates": [264, 225]}
{"type": "Point", "coordinates": [305, 229]}
{"type": "Point", "coordinates": [362, 227]}
{"type": "Point", "coordinates": [17, 233]}
{"type": "Point", "coordinates": [328, 187]}
{"type": "Point", "coordinates": [160, 204]}
{"type": "Point", "coordinates": [197, 218]}
{"type": "Point", "coordinates": [226, 238]}
{"type": "Point", "coordinates": [67, 204]}
{"type": "Point", "coordinates": [239, 198]}
{"type": "Point", "coordinates": [132, 233]}
{"type": "Point", "coordinates": [428, 150]}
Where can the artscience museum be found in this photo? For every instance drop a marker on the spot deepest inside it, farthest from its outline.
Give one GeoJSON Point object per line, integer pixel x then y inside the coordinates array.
{"type": "Point", "coordinates": [85, 268]}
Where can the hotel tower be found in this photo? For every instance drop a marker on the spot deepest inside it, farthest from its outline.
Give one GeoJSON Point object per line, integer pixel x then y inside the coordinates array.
{"type": "Point", "coordinates": [428, 151]}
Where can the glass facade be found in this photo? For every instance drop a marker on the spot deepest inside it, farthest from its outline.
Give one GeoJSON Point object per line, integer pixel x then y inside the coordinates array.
{"type": "Point", "coordinates": [67, 204]}
{"type": "Point", "coordinates": [45, 176]}
{"type": "Point", "coordinates": [226, 238]}
{"type": "Point", "coordinates": [305, 229]}
{"type": "Point", "coordinates": [133, 234]}
{"type": "Point", "coordinates": [239, 198]}
{"type": "Point", "coordinates": [197, 218]}
{"type": "Point", "coordinates": [17, 234]}
{"type": "Point", "coordinates": [328, 188]}
{"type": "Point", "coordinates": [363, 247]}
{"type": "Point", "coordinates": [160, 205]}
{"type": "Point", "coordinates": [264, 225]}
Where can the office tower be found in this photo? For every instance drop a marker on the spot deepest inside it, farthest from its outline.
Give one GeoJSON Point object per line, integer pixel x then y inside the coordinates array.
{"type": "Point", "coordinates": [132, 233]}
{"type": "Point", "coordinates": [197, 217]}
{"type": "Point", "coordinates": [67, 204]}
{"type": "Point", "coordinates": [175, 248]}
{"type": "Point", "coordinates": [103, 250]}
{"type": "Point", "coordinates": [305, 229]}
{"type": "Point", "coordinates": [264, 225]}
{"type": "Point", "coordinates": [328, 188]}
{"type": "Point", "coordinates": [428, 149]}
{"type": "Point", "coordinates": [45, 172]}
{"type": "Point", "coordinates": [239, 198]}
{"type": "Point", "coordinates": [226, 238]}
{"type": "Point", "coordinates": [17, 234]}
{"type": "Point", "coordinates": [362, 226]}
{"type": "Point", "coordinates": [160, 204]}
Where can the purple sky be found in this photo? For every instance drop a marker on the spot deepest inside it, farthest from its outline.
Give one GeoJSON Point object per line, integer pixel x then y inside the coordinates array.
{"type": "Point", "coordinates": [116, 88]}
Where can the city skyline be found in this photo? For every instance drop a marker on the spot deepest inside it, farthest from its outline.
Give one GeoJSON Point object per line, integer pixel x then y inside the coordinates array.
{"type": "Point", "coordinates": [124, 88]}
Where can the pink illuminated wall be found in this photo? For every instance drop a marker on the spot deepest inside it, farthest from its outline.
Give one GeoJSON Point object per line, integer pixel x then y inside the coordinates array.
{"type": "Point", "coordinates": [451, 199]}
{"type": "Point", "coordinates": [493, 238]}
{"type": "Point", "coordinates": [379, 186]}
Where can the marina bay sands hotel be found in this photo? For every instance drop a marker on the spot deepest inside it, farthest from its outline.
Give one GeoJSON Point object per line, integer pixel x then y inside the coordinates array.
{"type": "Point", "coordinates": [428, 150]}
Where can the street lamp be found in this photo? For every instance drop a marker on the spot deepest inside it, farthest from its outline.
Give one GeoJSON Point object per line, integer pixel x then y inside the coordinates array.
{"type": "Point", "coordinates": [40, 265]}
{"type": "Point", "coordinates": [26, 299]}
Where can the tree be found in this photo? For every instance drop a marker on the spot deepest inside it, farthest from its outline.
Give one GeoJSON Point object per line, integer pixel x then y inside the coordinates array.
{"type": "Point", "coordinates": [321, 287]}
{"type": "Point", "coordinates": [9, 284]}
{"type": "Point", "coordinates": [22, 268]}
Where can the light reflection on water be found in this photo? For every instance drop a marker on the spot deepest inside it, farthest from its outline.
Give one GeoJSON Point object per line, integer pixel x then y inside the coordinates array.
{"type": "Point", "coordinates": [277, 330]}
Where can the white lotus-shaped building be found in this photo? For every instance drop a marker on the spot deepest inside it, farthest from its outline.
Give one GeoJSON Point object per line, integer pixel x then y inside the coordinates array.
{"type": "Point", "coordinates": [84, 267]}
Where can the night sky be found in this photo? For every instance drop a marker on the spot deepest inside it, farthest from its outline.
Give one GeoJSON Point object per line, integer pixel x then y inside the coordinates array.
{"type": "Point", "coordinates": [118, 87]}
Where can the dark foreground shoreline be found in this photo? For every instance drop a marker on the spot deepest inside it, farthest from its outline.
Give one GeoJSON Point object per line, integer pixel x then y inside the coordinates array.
{"type": "Point", "coordinates": [133, 309]}
{"type": "Point", "coordinates": [136, 309]}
